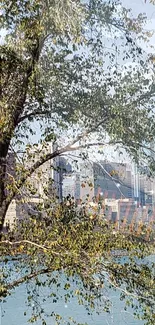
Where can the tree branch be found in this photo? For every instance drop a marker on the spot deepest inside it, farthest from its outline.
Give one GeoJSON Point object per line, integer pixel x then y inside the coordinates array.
{"type": "Point", "coordinates": [30, 276]}
{"type": "Point", "coordinates": [127, 293]}
{"type": "Point", "coordinates": [25, 241]}
{"type": "Point", "coordinates": [37, 112]}
{"type": "Point", "coordinates": [68, 148]}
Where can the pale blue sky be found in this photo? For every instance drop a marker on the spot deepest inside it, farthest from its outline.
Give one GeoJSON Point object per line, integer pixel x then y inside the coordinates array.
{"type": "Point", "coordinates": [139, 6]}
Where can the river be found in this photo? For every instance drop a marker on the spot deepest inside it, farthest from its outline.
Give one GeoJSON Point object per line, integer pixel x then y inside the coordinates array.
{"type": "Point", "coordinates": [12, 312]}
{"type": "Point", "coordinates": [13, 309]}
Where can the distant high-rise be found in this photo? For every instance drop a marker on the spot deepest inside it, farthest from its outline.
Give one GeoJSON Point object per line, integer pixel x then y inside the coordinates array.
{"type": "Point", "coordinates": [79, 184]}
{"type": "Point", "coordinates": [64, 169]}
{"type": "Point", "coordinates": [144, 186]}
{"type": "Point", "coordinates": [47, 178]}
{"type": "Point", "coordinates": [114, 179]}
{"type": "Point", "coordinates": [71, 186]}
{"type": "Point", "coordinates": [136, 183]}
{"type": "Point", "coordinates": [86, 181]}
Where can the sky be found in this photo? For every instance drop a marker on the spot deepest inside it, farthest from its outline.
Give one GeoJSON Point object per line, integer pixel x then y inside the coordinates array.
{"type": "Point", "coordinates": [140, 6]}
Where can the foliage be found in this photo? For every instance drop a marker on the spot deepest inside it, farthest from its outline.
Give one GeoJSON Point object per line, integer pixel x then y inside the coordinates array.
{"type": "Point", "coordinates": [80, 247]}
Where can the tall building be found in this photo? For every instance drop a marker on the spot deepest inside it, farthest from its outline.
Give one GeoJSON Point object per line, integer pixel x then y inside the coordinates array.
{"type": "Point", "coordinates": [86, 180]}
{"type": "Point", "coordinates": [136, 183]}
{"type": "Point", "coordinates": [144, 186]}
{"type": "Point", "coordinates": [79, 184]}
{"type": "Point", "coordinates": [71, 186]}
{"type": "Point", "coordinates": [46, 179]}
{"type": "Point", "coordinates": [114, 179]}
{"type": "Point", "coordinates": [64, 169]}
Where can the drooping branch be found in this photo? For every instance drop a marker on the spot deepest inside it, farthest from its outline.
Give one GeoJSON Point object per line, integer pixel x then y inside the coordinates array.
{"type": "Point", "coordinates": [23, 279]}
{"type": "Point", "coordinates": [128, 293]}
{"type": "Point", "coordinates": [89, 145]}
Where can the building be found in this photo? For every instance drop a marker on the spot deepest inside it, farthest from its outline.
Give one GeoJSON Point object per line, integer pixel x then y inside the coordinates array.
{"type": "Point", "coordinates": [64, 169]}
{"type": "Point", "coordinates": [114, 180]}
{"type": "Point", "coordinates": [11, 215]}
{"type": "Point", "coordinates": [86, 174]}
{"type": "Point", "coordinates": [43, 183]}
{"type": "Point", "coordinates": [144, 187]}
{"type": "Point", "coordinates": [46, 179]}
{"type": "Point", "coordinates": [71, 186]}
{"type": "Point", "coordinates": [79, 184]}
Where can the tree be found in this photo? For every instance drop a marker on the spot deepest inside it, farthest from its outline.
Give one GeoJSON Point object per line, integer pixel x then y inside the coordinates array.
{"type": "Point", "coordinates": [47, 68]}
{"type": "Point", "coordinates": [55, 69]}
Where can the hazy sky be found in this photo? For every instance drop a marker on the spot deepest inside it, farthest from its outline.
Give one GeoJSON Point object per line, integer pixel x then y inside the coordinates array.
{"type": "Point", "coordinates": [139, 6]}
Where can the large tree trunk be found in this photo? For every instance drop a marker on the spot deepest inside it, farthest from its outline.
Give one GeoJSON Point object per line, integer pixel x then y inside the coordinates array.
{"type": "Point", "coordinates": [14, 95]}
{"type": "Point", "coordinates": [3, 199]}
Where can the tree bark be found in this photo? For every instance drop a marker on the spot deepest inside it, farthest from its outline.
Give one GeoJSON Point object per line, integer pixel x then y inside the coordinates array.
{"type": "Point", "coordinates": [16, 109]}
{"type": "Point", "coordinates": [4, 146]}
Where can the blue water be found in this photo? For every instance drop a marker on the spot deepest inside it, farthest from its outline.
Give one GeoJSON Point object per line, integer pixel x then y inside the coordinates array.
{"type": "Point", "coordinates": [13, 309]}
